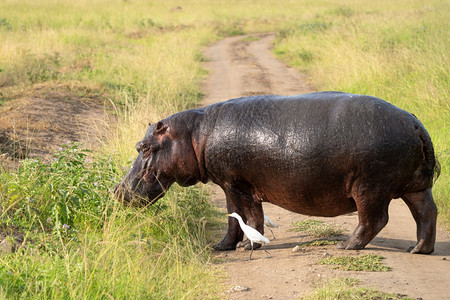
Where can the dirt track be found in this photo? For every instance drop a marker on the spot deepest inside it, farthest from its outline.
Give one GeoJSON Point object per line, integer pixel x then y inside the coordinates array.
{"type": "Point", "coordinates": [245, 66]}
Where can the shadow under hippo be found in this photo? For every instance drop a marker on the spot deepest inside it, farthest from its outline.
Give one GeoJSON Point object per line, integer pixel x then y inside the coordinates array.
{"type": "Point", "coordinates": [319, 154]}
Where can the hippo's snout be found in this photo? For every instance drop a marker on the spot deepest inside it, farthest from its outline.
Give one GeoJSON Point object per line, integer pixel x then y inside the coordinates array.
{"type": "Point", "coordinates": [122, 193]}
{"type": "Point", "coordinates": [139, 192]}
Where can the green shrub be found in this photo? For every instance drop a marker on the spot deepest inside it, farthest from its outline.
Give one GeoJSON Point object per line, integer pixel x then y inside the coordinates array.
{"type": "Point", "coordinates": [72, 190]}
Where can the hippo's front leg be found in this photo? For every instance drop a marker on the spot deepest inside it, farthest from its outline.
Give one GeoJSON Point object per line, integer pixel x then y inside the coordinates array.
{"type": "Point", "coordinates": [249, 209]}
{"type": "Point", "coordinates": [255, 216]}
{"type": "Point", "coordinates": [234, 234]}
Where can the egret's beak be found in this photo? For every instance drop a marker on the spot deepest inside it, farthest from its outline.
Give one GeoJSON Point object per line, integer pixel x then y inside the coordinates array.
{"type": "Point", "coordinates": [228, 215]}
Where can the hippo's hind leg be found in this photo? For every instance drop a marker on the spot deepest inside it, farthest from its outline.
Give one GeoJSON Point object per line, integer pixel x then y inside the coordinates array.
{"type": "Point", "coordinates": [373, 216]}
{"type": "Point", "coordinates": [424, 211]}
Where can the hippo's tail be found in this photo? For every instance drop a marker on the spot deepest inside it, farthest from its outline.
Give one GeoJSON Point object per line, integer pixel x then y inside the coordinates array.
{"type": "Point", "coordinates": [431, 168]}
{"type": "Point", "coordinates": [437, 170]}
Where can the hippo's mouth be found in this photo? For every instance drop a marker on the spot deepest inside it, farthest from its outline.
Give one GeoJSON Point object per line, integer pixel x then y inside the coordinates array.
{"type": "Point", "coordinates": [149, 177]}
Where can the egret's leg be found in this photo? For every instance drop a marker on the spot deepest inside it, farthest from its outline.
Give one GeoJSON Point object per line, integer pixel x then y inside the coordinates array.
{"type": "Point", "coordinates": [273, 235]}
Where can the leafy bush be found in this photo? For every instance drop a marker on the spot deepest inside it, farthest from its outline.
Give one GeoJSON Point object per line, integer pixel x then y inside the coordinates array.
{"type": "Point", "coordinates": [69, 192]}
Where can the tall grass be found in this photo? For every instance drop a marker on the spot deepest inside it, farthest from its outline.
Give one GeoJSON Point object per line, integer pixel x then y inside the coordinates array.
{"type": "Point", "coordinates": [72, 239]}
{"type": "Point", "coordinates": [392, 50]}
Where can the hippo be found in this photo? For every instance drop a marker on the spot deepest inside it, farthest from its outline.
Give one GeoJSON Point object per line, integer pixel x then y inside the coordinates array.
{"type": "Point", "coordinates": [319, 154]}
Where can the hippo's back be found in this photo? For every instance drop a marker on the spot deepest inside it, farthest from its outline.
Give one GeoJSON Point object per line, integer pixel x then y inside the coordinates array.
{"type": "Point", "coordinates": [321, 140]}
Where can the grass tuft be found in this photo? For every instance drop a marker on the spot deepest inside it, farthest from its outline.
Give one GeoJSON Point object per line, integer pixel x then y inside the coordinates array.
{"type": "Point", "coordinates": [368, 263]}
{"type": "Point", "coordinates": [347, 288]}
{"type": "Point", "coordinates": [318, 243]}
{"type": "Point", "coordinates": [316, 228]}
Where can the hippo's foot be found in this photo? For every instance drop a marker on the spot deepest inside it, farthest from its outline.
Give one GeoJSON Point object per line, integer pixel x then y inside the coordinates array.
{"type": "Point", "coordinates": [345, 245]}
{"type": "Point", "coordinates": [342, 245]}
{"type": "Point", "coordinates": [420, 249]}
{"type": "Point", "coordinates": [243, 244]}
{"type": "Point", "coordinates": [247, 245]}
{"type": "Point", "coordinates": [224, 246]}
{"type": "Point", "coordinates": [255, 246]}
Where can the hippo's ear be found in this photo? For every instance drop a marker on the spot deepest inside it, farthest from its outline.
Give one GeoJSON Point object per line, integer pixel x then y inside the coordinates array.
{"type": "Point", "coordinates": [160, 127]}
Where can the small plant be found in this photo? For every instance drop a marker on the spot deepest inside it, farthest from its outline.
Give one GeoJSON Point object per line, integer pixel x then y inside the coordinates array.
{"type": "Point", "coordinates": [343, 11]}
{"type": "Point", "coordinates": [250, 38]}
{"type": "Point", "coordinates": [317, 228]}
{"type": "Point", "coordinates": [231, 28]}
{"type": "Point", "coordinates": [370, 263]}
{"type": "Point", "coordinates": [319, 243]}
{"type": "Point", "coordinates": [4, 24]}
{"type": "Point", "coordinates": [306, 56]}
{"type": "Point", "coordinates": [42, 68]}
{"type": "Point", "coordinates": [347, 288]}
{"type": "Point", "coordinates": [146, 23]}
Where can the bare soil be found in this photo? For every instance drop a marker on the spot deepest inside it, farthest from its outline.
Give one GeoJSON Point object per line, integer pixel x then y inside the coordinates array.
{"type": "Point", "coordinates": [49, 115]}
{"type": "Point", "coordinates": [241, 66]}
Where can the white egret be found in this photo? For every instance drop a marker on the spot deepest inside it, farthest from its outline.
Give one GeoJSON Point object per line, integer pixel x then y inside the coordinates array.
{"type": "Point", "coordinates": [252, 234]}
{"type": "Point", "coordinates": [268, 223]}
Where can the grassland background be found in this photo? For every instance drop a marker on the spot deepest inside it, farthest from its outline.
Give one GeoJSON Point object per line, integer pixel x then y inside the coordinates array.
{"type": "Point", "coordinates": [145, 58]}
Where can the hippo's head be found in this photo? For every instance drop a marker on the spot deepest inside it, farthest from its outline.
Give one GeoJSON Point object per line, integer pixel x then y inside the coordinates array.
{"type": "Point", "coordinates": [166, 155]}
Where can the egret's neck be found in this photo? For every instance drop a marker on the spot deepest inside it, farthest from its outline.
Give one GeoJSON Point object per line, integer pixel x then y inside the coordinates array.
{"type": "Point", "coordinates": [241, 222]}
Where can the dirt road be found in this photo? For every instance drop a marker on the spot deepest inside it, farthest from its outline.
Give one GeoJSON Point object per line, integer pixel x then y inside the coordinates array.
{"type": "Point", "coordinates": [241, 66]}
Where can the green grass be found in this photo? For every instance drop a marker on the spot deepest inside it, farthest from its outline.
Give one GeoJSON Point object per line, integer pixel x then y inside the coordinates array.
{"type": "Point", "coordinates": [316, 228]}
{"type": "Point", "coordinates": [368, 263]}
{"type": "Point", "coordinates": [250, 38]}
{"type": "Point", "coordinates": [146, 60]}
{"type": "Point", "coordinates": [317, 243]}
{"type": "Point", "coordinates": [347, 289]}
{"type": "Point", "coordinates": [73, 240]}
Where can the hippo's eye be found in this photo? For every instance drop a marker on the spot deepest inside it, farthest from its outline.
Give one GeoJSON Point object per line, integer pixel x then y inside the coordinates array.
{"type": "Point", "coordinates": [145, 147]}
{"type": "Point", "coordinates": [149, 148]}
